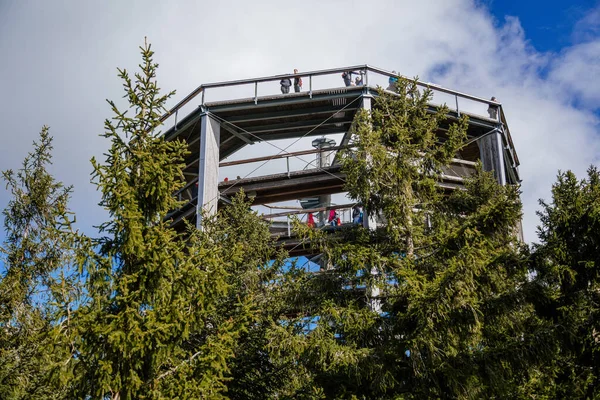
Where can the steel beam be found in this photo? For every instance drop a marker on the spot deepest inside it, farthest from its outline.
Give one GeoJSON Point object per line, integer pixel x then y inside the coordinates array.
{"type": "Point", "coordinates": [242, 136]}
{"type": "Point", "coordinates": [286, 114]}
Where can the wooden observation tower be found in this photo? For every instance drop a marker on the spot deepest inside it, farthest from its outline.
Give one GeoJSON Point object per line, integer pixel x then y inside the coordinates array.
{"type": "Point", "coordinates": [294, 138]}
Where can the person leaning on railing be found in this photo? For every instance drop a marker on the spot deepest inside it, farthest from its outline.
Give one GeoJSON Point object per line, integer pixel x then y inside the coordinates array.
{"type": "Point", "coordinates": [297, 82]}
{"type": "Point", "coordinates": [359, 79]}
{"type": "Point", "coordinates": [357, 214]}
{"type": "Point", "coordinates": [493, 109]}
{"type": "Point", "coordinates": [285, 85]}
{"type": "Point", "coordinates": [392, 82]}
{"type": "Point", "coordinates": [347, 77]}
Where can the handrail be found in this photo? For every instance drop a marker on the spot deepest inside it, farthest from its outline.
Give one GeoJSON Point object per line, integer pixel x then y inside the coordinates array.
{"type": "Point", "coordinates": [436, 87]}
{"type": "Point", "coordinates": [308, 211]}
{"type": "Point", "coordinates": [365, 67]}
{"type": "Point", "coordinates": [307, 152]}
{"type": "Point", "coordinates": [248, 81]}
{"type": "Point", "coordinates": [281, 155]}
{"type": "Point", "coordinates": [502, 117]}
{"type": "Point", "coordinates": [453, 161]}
{"type": "Point", "coordinates": [281, 76]}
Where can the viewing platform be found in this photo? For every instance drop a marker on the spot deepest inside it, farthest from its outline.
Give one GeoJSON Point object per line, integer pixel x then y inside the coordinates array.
{"type": "Point", "coordinates": [219, 120]}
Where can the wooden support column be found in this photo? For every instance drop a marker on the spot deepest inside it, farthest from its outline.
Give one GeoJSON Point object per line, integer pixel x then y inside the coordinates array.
{"type": "Point", "coordinates": [492, 155]}
{"type": "Point", "coordinates": [369, 219]}
{"type": "Point", "coordinates": [370, 222]}
{"type": "Point", "coordinates": [208, 172]}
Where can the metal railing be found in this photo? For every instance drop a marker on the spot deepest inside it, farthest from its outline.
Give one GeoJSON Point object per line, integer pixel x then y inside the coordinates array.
{"type": "Point", "coordinates": [463, 102]}
{"type": "Point", "coordinates": [278, 226]}
{"type": "Point", "coordinates": [370, 75]}
{"type": "Point", "coordinates": [366, 71]}
{"type": "Point", "coordinates": [455, 171]}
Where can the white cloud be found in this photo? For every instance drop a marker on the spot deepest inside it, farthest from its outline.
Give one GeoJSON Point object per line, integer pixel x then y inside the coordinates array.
{"type": "Point", "coordinates": [59, 63]}
{"type": "Point", "coordinates": [588, 27]}
{"type": "Point", "coordinates": [576, 72]}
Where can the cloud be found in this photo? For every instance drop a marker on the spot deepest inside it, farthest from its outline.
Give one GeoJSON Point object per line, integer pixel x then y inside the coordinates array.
{"type": "Point", "coordinates": [59, 64]}
{"type": "Point", "coordinates": [576, 70]}
{"type": "Point", "coordinates": [549, 100]}
{"type": "Point", "coordinates": [588, 27]}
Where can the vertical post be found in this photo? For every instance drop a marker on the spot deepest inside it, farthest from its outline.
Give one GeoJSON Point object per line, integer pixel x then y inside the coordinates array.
{"type": "Point", "coordinates": [256, 92]}
{"type": "Point", "coordinates": [203, 90]}
{"type": "Point", "coordinates": [501, 161]}
{"type": "Point", "coordinates": [176, 112]}
{"type": "Point", "coordinates": [310, 86]}
{"type": "Point", "coordinates": [491, 153]}
{"type": "Point", "coordinates": [322, 160]}
{"type": "Point", "coordinates": [370, 222]}
{"type": "Point", "coordinates": [456, 100]}
{"type": "Point", "coordinates": [208, 171]}
{"type": "Point", "coordinates": [287, 159]}
{"type": "Point", "coordinates": [369, 219]}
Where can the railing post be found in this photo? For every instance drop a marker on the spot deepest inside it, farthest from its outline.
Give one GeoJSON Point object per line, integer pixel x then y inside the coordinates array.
{"type": "Point", "coordinates": [366, 82]}
{"type": "Point", "coordinates": [287, 159]}
{"type": "Point", "coordinates": [310, 86]}
{"type": "Point", "coordinates": [256, 92]}
{"type": "Point", "coordinates": [203, 90]}
{"type": "Point", "coordinates": [176, 112]}
{"type": "Point", "coordinates": [456, 100]}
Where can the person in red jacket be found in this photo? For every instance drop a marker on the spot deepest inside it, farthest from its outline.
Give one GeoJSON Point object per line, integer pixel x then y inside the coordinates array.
{"type": "Point", "coordinates": [331, 218]}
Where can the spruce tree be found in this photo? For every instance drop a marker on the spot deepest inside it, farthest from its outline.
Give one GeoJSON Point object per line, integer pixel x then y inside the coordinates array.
{"type": "Point", "coordinates": [146, 293]}
{"type": "Point", "coordinates": [426, 305]}
{"type": "Point", "coordinates": [169, 312]}
{"type": "Point", "coordinates": [254, 275]}
{"type": "Point", "coordinates": [164, 314]}
{"type": "Point", "coordinates": [566, 286]}
{"type": "Point", "coordinates": [38, 287]}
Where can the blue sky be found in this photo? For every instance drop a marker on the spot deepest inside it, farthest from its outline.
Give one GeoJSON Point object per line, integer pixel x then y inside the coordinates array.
{"type": "Point", "coordinates": [549, 24]}
{"type": "Point", "coordinates": [541, 59]}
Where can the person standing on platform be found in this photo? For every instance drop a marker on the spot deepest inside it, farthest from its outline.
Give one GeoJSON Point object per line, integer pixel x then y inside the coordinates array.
{"type": "Point", "coordinates": [493, 109]}
{"type": "Point", "coordinates": [357, 214]}
{"type": "Point", "coordinates": [285, 85]}
{"type": "Point", "coordinates": [347, 77]}
{"type": "Point", "coordinates": [392, 82]}
{"type": "Point", "coordinates": [297, 82]}
{"type": "Point", "coordinates": [332, 217]}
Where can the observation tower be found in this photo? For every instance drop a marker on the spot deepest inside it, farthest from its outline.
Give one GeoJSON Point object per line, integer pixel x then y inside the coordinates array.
{"type": "Point", "coordinates": [281, 149]}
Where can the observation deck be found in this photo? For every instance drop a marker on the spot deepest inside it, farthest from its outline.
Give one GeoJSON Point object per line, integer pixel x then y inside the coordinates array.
{"type": "Point", "coordinates": [219, 120]}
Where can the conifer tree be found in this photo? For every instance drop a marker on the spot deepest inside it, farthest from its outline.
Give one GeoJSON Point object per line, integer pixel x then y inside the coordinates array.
{"type": "Point", "coordinates": [164, 314]}
{"type": "Point", "coordinates": [426, 305]}
{"type": "Point", "coordinates": [436, 301]}
{"type": "Point", "coordinates": [37, 287]}
{"type": "Point", "coordinates": [566, 287]}
{"type": "Point", "coordinates": [254, 274]}
{"type": "Point", "coordinates": [146, 292]}
{"type": "Point", "coordinates": [167, 311]}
